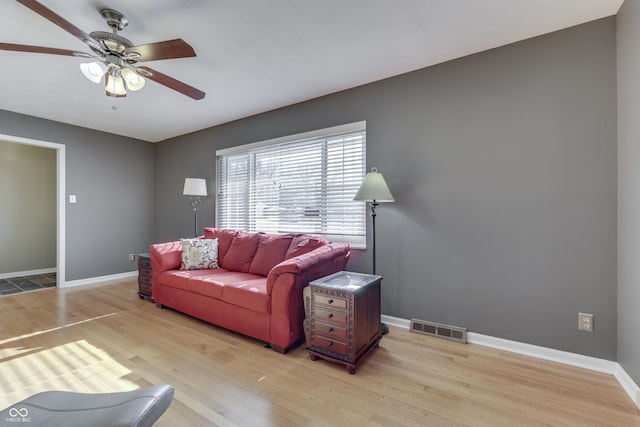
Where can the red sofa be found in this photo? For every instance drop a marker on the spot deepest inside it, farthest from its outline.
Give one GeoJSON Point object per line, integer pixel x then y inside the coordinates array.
{"type": "Point", "coordinates": [257, 289]}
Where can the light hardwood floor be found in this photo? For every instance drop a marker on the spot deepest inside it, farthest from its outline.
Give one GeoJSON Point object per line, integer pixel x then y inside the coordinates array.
{"type": "Point", "coordinates": [103, 338]}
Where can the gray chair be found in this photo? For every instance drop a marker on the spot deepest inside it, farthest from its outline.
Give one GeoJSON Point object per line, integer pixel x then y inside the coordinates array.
{"type": "Point", "coordinates": [139, 408]}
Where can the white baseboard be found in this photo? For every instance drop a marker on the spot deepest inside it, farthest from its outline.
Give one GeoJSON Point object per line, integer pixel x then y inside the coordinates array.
{"type": "Point", "coordinates": [628, 384]}
{"type": "Point", "coordinates": [27, 273]}
{"type": "Point", "coordinates": [91, 280]}
{"type": "Point", "coordinates": [564, 357]}
{"type": "Point", "coordinates": [396, 321]}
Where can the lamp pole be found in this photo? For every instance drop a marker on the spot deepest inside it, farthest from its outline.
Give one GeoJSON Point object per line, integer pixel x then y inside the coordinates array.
{"type": "Point", "coordinates": [384, 329]}
{"type": "Point", "coordinates": [195, 201]}
{"type": "Point", "coordinates": [374, 204]}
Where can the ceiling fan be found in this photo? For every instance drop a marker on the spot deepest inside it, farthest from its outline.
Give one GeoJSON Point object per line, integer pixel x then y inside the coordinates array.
{"type": "Point", "coordinates": [115, 56]}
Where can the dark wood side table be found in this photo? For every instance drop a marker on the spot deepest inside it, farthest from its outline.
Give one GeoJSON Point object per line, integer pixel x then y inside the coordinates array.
{"type": "Point", "coordinates": [144, 276]}
{"type": "Point", "coordinates": [344, 324]}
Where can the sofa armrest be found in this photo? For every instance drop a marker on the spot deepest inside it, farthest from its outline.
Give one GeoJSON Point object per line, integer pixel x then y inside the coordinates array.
{"type": "Point", "coordinates": [312, 265]}
{"type": "Point", "coordinates": [165, 256]}
{"type": "Point", "coordinates": [285, 284]}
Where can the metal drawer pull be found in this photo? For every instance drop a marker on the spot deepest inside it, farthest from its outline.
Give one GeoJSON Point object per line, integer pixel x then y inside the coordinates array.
{"type": "Point", "coordinates": [330, 301]}
{"type": "Point", "coordinates": [330, 329]}
{"type": "Point", "coordinates": [330, 315]}
{"type": "Point", "coordinates": [329, 343]}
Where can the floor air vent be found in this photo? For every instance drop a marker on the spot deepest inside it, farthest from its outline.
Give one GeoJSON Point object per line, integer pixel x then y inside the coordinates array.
{"type": "Point", "coordinates": [439, 330]}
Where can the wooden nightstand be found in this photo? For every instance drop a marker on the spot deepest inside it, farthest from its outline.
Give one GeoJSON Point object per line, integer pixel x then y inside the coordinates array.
{"type": "Point", "coordinates": [344, 319]}
{"type": "Point", "coordinates": [144, 276]}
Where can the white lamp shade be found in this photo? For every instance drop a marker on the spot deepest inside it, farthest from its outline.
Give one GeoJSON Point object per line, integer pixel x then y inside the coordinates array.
{"type": "Point", "coordinates": [132, 79]}
{"type": "Point", "coordinates": [195, 187]}
{"type": "Point", "coordinates": [93, 70]}
{"type": "Point", "coordinates": [374, 188]}
{"type": "Point", "coordinates": [115, 86]}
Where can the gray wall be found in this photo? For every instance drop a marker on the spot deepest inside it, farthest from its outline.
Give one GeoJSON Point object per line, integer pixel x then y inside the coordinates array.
{"type": "Point", "coordinates": [112, 178]}
{"type": "Point", "coordinates": [503, 165]}
{"type": "Point", "coordinates": [629, 182]}
{"type": "Point", "coordinates": [28, 189]}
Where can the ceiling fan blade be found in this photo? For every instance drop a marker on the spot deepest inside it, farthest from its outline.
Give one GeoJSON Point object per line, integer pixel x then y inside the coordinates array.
{"type": "Point", "coordinates": [41, 49]}
{"type": "Point", "coordinates": [170, 82]}
{"type": "Point", "coordinates": [169, 49]}
{"type": "Point", "coordinates": [47, 13]}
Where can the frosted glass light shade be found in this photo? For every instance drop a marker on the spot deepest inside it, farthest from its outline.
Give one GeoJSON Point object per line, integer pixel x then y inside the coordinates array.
{"type": "Point", "coordinates": [93, 70]}
{"type": "Point", "coordinates": [132, 79]}
{"type": "Point", "coordinates": [115, 86]}
{"type": "Point", "coordinates": [374, 188]}
{"type": "Point", "coordinates": [195, 187]}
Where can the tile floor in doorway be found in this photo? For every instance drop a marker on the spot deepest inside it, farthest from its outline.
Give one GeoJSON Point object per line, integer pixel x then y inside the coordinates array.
{"type": "Point", "coordinates": [27, 283]}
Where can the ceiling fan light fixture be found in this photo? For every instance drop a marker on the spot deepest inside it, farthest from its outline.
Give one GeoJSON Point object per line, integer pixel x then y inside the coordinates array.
{"type": "Point", "coordinates": [93, 70]}
{"type": "Point", "coordinates": [115, 84]}
{"type": "Point", "coordinates": [133, 81]}
{"type": "Point", "coordinates": [113, 53]}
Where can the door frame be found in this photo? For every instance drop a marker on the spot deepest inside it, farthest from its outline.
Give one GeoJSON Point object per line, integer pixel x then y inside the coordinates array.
{"type": "Point", "coordinates": [60, 198]}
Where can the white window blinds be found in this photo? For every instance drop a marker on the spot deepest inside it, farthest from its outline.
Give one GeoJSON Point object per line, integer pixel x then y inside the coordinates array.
{"type": "Point", "coordinates": [304, 183]}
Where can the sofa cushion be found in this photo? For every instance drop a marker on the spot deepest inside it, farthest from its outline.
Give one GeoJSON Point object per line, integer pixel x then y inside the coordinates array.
{"type": "Point", "coordinates": [213, 283]}
{"type": "Point", "coordinates": [224, 236]}
{"type": "Point", "coordinates": [199, 254]}
{"type": "Point", "coordinates": [271, 250]}
{"type": "Point", "coordinates": [303, 243]}
{"type": "Point", "coordinates": [179, 279]}
{"type": "Point", "coordinates": [241, 252]}
{"type": "Point", "coordinates": [250, 292]}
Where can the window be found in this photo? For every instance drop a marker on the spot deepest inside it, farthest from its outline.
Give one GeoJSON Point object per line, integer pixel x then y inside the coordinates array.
{"type": "Point", "coordinates": [302, 183]}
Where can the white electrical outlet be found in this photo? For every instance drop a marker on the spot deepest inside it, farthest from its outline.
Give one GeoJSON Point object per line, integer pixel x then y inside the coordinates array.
{"type": "Point", "coordinates": [132, 257]}
{"type": "Point", "coordinates": [585, 322]}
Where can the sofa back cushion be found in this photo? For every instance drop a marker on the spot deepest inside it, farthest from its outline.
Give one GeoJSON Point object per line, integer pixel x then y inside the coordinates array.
{"type": "Point", "coordinates": [272, 249]}
{"type": "Point", "coordinates": [241, 251]}
{"type": "Point", "coordinates": [303, 243]}
{"type": "Point", "coordinates": [224, 236]}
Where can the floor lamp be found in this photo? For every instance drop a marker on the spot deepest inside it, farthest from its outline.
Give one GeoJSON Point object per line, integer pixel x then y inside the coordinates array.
{"type": "Point", "coordinates": [374, 190]}
{"type": "Point", "coordinates": [196, 188]}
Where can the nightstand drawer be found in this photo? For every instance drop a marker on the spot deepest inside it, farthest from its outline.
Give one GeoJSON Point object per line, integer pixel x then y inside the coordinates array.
{"type": "Point", "coordinates": [144, 263]}
{"type": "Point", "coordinates": [146, 272]}
{"type": "Point", "coordinates": [330, 316]}
{"type": "Point", "coordinates": [329, 344]}
{"type": "Point", "coordinates": [331, 301]}
{"type": "Point", "coordinates": [144, 290]}
{"type": "Point", "coordinates": [331, 331]}
{"type": "Point", "coordinates": [144, 281]}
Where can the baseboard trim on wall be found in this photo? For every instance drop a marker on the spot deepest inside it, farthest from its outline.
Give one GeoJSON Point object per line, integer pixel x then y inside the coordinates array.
{"type": "Point", "coordinates": [27, 273]}
{"type": "Point", "coordinates": [627, 384]}
{"type": "Point", "coordinates": [564, 357]}
{"type": "Point", "coordinates": [396, 321]}
{"type": "Point", "coordinates": [89, 281]}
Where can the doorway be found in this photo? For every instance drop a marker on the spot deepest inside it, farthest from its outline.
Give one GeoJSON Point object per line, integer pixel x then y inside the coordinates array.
{"type": "Point", "coordinates": [60, 197]}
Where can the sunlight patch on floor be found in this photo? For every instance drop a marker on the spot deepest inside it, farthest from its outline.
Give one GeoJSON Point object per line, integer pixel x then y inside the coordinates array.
{"type": "Point", "coordinates": [76, 366]}
{"type": "Point", "coordinates": [46, 331]}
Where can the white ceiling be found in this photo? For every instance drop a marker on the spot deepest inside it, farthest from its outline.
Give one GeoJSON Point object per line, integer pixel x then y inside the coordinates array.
{"type": "Point", "coordinates": [254, 56]}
